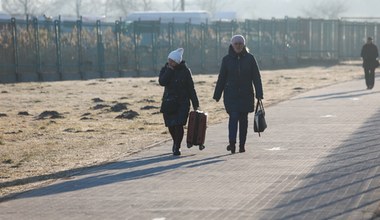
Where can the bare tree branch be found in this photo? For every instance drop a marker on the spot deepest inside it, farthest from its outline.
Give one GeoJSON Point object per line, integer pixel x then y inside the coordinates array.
{"type": "Point", "coordinates": [211, 5]}
{"type": "Point", "coordinates": [24, 7]}
{"type": "Point", "coordinates": [327, 9]}
{"type": "Point", "coordinates": [75, 7]}
{"type": "Point", "coordinates": [147, 5]}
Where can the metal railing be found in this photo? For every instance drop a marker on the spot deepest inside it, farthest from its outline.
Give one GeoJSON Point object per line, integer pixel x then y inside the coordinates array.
{"type": "Point", "coordinates": [33, 50]}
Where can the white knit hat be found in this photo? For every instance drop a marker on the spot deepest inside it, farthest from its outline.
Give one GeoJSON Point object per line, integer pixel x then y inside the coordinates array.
{"type": "Point", "coordinates": [238, 39]}
{"type": "Point", "coordinates": [176, 55]}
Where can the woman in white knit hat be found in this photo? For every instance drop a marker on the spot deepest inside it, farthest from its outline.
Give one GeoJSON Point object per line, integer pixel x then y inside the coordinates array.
{"type": "Point", "coordinates": [177, 79]}
{"type": "Point", "coordinates": [238, 73]}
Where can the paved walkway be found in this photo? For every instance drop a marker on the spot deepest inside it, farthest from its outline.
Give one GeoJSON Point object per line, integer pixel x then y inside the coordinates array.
{"type": "Point", "coordinates": [318, 159]}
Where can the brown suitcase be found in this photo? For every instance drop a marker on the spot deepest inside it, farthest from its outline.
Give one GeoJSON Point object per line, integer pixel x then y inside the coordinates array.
{"type": "Point", "coordinates": [196, 129]}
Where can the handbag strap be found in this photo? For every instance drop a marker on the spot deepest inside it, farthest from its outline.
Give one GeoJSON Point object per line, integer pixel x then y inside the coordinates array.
{"type": "Point", "coordinates": [259, 104]}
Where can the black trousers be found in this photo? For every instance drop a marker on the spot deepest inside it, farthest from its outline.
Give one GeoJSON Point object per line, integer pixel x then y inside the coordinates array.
{"type": "Point", "coordinates": [177, 133]}
{"type": "Point", "coordinates": [369, 75]}
{"type": "Point", "coordinates": [238, 119]}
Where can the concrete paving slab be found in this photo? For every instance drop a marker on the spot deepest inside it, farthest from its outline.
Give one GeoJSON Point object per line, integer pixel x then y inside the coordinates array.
{"type": "Point", "coordinates": [318, 159]}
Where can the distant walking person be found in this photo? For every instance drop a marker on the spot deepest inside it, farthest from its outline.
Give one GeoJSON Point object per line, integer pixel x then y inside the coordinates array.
{"type": "Point", "coordinates": [370, 63]}
{"type": "Point", "coordinates": [179, 90]}
{"type": "Point", "coordinates": [238, 73]}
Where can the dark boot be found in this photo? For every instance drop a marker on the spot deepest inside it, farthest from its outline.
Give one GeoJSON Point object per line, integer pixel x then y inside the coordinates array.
{"type": "Point", "coordinates": [231, 147]}
{"type": "Point", "coordinates": [176, 151]}
{"type": "Point", "coordinates": [241, 148]}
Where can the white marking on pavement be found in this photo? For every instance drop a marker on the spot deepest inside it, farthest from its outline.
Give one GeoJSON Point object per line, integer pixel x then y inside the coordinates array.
{"type": "Point", "coordinates": [328, 116]}
{"type": "Point", "coordinates": [275, 148]}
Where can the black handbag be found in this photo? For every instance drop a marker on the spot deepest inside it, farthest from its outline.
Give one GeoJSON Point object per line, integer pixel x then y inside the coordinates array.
{"type": "Point", "coordinates": [259, 122]}
{"type": "Point", "coordinates": [169, 105]}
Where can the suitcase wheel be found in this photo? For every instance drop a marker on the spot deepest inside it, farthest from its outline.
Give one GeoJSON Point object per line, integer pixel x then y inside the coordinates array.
{"type": "Point", "coordinates": [201, 147]}
{"type": "Point", "coordinates": [189, 145]}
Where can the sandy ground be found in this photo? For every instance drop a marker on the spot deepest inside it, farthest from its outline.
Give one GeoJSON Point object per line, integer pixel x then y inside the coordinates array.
{"type": "Point", "coordinates": [51, 130]}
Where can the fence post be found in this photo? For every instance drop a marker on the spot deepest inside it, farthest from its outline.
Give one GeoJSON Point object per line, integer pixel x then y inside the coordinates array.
{"type": "Point", "coordinates": [118, 32]}
{"type": "Point", "coordinates": [79, 47]}
{"type": "Point", "coordinates": [245, 31]}
{"type": "Point", "coordinates": [322, 39]}
{"type": "Point", "coordinates": [310, 37]}
{"type": "Point", "coordinates": [285, 41]}
{"type": "Point", "coordinates": [340, 37]}
{"type": "Point", "coordinates": [27, 22]}
{"type": "Point", "coordinates": [187, 38]}
{"type": "Point", "coordinates": [203, 37]}
{"type": "Point", "coordinates": [274, 49]}
{"type": "Point", "coordinates": [218, 40]}
{"type": "Point", "coordinates": [154, 49]}
{"type": "Point", "coordinates": [100, 48]}
{"type": "Point", "coordinates": [259, 40]}
{"type": "Point", "coordinates": [137, 66]}
{"type": "Point", "coordinates": [57, 31]}
{"type": "Point", "coordinates": [37, 48]}
{"type": "Point", "coordinates": [15, 48]}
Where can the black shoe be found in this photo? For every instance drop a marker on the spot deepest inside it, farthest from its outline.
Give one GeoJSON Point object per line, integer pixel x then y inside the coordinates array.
{"type": "Point", "coordinates": [231, 148]}
{"type": "Point", "coordinates": [177, 152]}
{"type": "Point", "coordinates": [201, 147]}
{"type": "Point", "coordinates": [241, 149]}
{"type": "Point", "coordinates": [173, 148]}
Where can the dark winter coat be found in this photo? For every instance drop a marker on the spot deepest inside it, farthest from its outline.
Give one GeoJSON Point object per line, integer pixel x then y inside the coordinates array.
{"type": "Point", "coordinates": [238, 74]}
{"type": "Point", "coordinates": [369, 54]}
{"type": "Point", "coordinates": [178, 84]}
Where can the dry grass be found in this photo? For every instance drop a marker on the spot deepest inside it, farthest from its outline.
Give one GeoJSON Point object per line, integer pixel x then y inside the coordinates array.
{"type": "Point", "coordinates": [33, 150]}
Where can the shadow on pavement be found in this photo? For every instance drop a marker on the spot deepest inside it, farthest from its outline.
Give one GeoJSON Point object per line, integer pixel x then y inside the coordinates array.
{"type": "Point", "coordinates": [126, 170]}
{"type": "Point", "coordinates": [347, 180]}
{"type": "Point", "coordinates": [342, 95]}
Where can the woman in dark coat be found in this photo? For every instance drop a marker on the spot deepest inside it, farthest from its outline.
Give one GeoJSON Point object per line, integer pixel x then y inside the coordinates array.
{"type": "Point", "coordinates": [179, 90]}
{"type": "Point", "coordinates": [369, 54]}
{"type": "Point", "coordinates": [238, 73]}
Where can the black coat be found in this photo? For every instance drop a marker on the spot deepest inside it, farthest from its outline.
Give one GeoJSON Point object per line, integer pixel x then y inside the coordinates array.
{"type": "Point", "coordinates": [179, 84]}
{"type": "Point", "coordinates": [238, 74]}
{"type": "Point", "coordinates": [369, 54]}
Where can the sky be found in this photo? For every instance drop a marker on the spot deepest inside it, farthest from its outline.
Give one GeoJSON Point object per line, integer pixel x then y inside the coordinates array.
{"type": "Point", "coordinates": [294, 8]}
{"type": "Point", "coordinates": [267, 9]}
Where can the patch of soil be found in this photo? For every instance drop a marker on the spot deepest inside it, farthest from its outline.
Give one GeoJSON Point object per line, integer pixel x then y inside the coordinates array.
{"type": "Point", "coordinates": [128, 115]}
{"type": "Point", "coordinates": [23, 113]}
{"type": "Point", "coordinates": [100, 106]}
{"type": "Point", "coordinates": [148, 107]}
{"type": "Point", "coordinates": [97, 100]}
{"type": "Point", "coordinates": [119, 107]}
{"type": "Point", "coordinates": [49, 115]}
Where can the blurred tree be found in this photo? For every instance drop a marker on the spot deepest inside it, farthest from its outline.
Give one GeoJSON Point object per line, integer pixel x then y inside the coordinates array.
{"type": "Point", "coordinates": [327, 9]}
{"type": "Point", "coordinates": [24, 7]}
{"type": "Point", "coordinates": [211, 5]}
{"type": "Point", "coordinates": [123, 7]}
{"type": "Point", "coordinates": [180, 4]}
{"type": "Point", "coordinates": [80, 7]}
